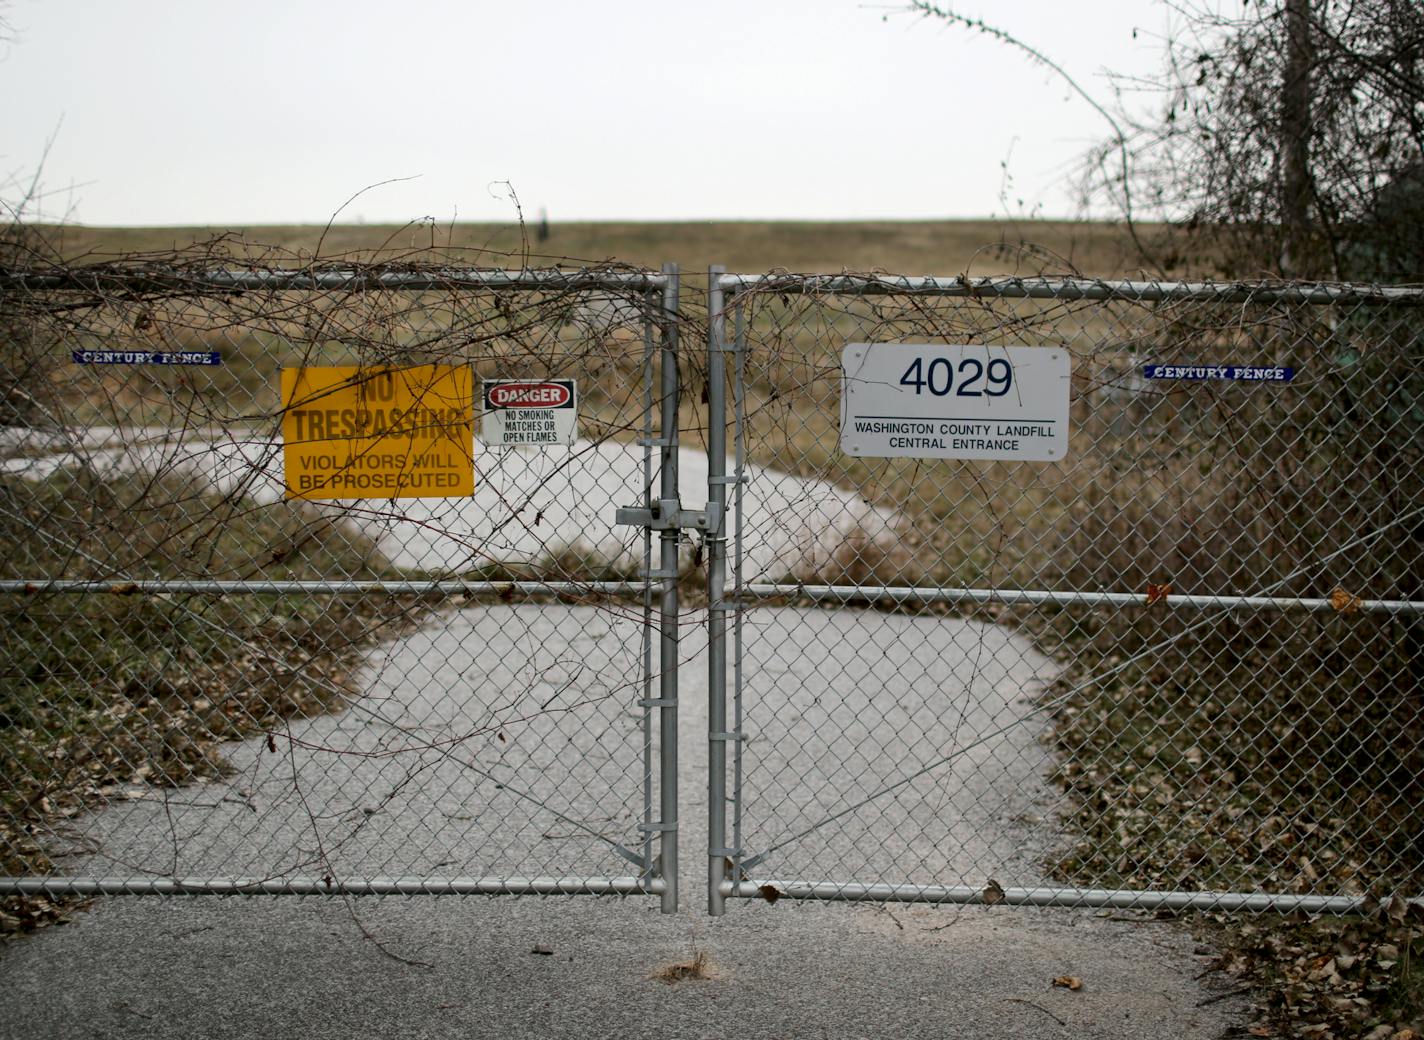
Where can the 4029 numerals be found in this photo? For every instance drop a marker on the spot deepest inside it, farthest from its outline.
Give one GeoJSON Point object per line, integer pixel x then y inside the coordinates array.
{"type": "Point", "coordinates": [971, 378]}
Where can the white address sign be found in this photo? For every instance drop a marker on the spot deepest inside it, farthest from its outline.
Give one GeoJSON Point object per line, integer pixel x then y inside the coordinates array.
{"type": "Point", "coordinates": [936, 401]}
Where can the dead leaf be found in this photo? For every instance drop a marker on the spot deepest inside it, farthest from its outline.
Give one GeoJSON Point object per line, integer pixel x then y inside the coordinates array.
{"type": "Point", "coordinates": [1158, 593]}
{"type": "Point", "coordinates": [1261, 1031]}
{"type": "Point", "coordinates": [1070, 982]}
{"type": "Point", "coordinates": [1344, 602]}
{"type": "Point", "coordinates": [770, 893]}
{"type": "Point", "coordinates": [993, 893]}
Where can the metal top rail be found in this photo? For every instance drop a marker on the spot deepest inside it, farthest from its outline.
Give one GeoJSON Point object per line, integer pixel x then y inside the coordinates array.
{"type": "Point", "coordinates": [1008, 287]}
{"type": "Point", "coordinates": [129, 278]}
{"type": "Point", "coordinates": [333, 587]}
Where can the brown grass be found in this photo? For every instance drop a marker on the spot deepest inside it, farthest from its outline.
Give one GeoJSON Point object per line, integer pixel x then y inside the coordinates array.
{"type": "Point", "coordinates": [696, 970]}
{"type": "Point", "coordinates": [980, 247]}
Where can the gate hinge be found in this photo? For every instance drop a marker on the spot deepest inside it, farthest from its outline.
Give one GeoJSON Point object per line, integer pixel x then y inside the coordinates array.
{"type": "Point", "coordinates": [667, 514]}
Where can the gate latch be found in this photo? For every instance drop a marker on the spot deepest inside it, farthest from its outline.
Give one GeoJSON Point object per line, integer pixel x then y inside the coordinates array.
{"type": "Point", "coordinates": [667, 514]}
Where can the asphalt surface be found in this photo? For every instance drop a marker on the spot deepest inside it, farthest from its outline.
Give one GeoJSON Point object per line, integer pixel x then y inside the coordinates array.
{"type": "Point", "coordinates": [528, 504]}
{"type": "Point", "coordinates": [379, 790]}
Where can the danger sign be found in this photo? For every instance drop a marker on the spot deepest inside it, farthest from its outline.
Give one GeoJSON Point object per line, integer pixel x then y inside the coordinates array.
{"type": "Point", "coordinates": [529, 411]}
{"type": "Point", "coordinates": [355, 432]}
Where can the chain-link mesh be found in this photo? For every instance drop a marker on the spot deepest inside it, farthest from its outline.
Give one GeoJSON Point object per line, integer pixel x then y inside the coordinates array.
{"type": "Point", "coordinates": [1185, 659]}
{"type": "Point", "coordinates": [209, 684]}
{"type": "Point", "coordinates": [1188, 658]}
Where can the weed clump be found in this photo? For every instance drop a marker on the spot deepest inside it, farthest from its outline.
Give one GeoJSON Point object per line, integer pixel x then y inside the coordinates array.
{"type": "Point", "coordinates": [698, 969]}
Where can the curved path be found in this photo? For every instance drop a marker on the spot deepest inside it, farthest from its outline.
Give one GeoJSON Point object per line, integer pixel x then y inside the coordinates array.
{"type": "Point", "coordinates": [303, 969]}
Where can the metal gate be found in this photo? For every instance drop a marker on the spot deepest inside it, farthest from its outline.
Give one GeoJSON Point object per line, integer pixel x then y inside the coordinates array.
{"type": "Point", "coordinates": [1182, 666]}
{"type": "Point", "coordinates": [212, 686]}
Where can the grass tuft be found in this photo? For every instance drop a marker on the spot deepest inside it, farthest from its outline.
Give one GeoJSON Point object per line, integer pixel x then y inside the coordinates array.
{"type": "Point", "coordinates": [696, 970]}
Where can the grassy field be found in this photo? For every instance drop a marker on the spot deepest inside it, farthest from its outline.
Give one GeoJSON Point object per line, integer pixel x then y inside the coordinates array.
{"type": "Point", "coordinates": [980, 247]}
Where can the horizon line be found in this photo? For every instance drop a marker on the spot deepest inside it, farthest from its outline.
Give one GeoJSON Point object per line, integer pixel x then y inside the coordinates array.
{"type": "Point", "coordinates": [586, 221]}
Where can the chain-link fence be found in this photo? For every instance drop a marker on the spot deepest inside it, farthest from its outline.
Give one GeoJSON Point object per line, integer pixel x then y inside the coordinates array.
{"type": "Point", "coordinates": [1172, 659]}
{"type": "Point", "coordinates": [239, 654]}
{"type": "Point", "coordinates": [1181, 666]}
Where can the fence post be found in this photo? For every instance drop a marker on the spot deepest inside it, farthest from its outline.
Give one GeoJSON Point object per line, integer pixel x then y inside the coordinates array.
{"type": "Point", "coordinates": [716, 605]}
{"type": "Point", "coordinates": [668, 621]}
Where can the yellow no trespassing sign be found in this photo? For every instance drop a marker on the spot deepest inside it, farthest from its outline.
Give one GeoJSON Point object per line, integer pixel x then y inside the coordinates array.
{"type": "Point", "coordinates": [351, 431]}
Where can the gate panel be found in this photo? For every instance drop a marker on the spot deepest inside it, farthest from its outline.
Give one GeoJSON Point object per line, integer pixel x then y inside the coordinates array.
{"type": "Point", "coordinates": [1183, 666]}
{"type": "Point", "coordinates": [212, 687]}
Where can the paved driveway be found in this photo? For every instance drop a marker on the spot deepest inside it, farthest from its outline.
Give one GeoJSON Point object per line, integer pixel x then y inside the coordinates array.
{"type": "Point", "coordinates": [312, 968]}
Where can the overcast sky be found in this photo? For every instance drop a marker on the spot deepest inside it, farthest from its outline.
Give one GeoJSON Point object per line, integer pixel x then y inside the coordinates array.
{"type": "Point", "coordinates": [276, 111]}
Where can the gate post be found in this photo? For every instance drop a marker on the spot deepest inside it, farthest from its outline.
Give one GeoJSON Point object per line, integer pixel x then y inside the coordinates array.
{"type": "Point", "coordinates": [668, 620]}
{"type": "Point", "coordinates": [716, 541]}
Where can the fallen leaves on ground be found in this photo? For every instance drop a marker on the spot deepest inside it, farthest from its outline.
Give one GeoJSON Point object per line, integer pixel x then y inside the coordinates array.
{"type": "Point", "coordinates": [1359, 977]}
{"type": "Point", "coordinates": [1191, 763]}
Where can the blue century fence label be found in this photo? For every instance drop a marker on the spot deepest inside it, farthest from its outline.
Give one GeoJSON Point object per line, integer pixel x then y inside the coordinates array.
{"type": "Point", "coordinates": [146, 357]}
{"type": "Point", "coordinates": [1241, 373]}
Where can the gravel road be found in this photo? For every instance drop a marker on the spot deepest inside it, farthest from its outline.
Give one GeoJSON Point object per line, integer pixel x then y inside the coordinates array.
{"type": "Point", "coordinates": [378, 789]}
